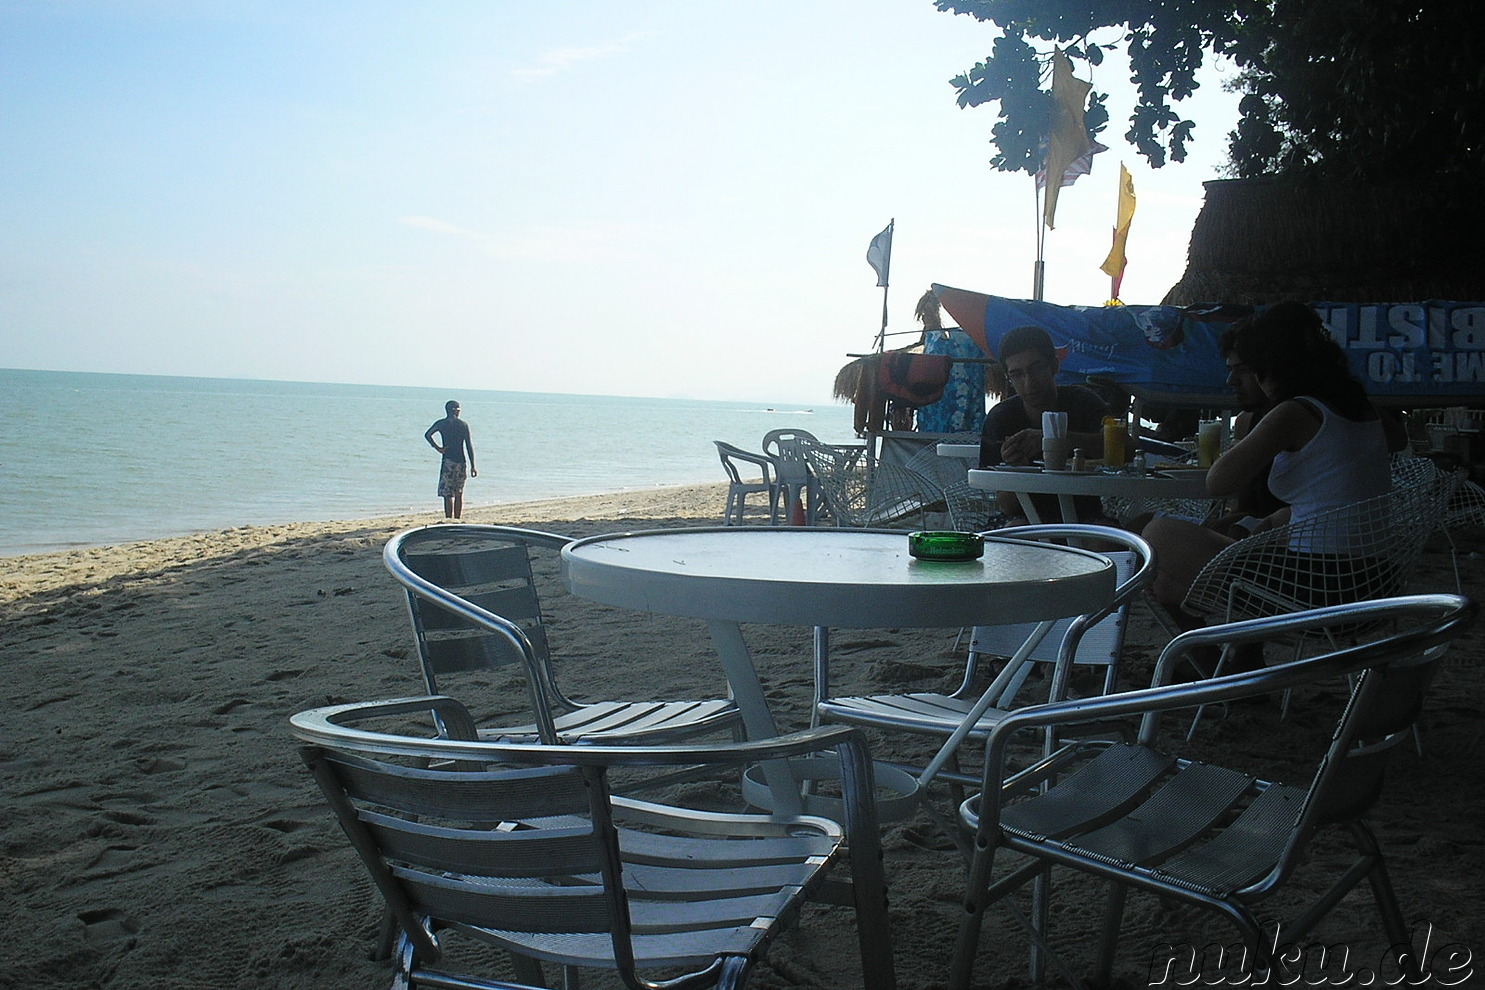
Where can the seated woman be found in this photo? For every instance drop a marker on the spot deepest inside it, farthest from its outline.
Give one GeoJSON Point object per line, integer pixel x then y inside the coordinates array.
{"type": "Point", "coordinates": [1323, 437]}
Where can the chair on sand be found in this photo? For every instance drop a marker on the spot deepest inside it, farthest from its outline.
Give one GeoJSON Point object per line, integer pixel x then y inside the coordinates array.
{"type": "Point", "coordinates": [738, 490]}
{"type": "Point", "coordinates": [882, 495]}
{"type": "Point", "coordinates": [1148, 816]}
{"type": "Point", "coordinates": [973, 709]}
{"type": "Point", "coordinates": [474, 607]}
{"type": "Point", "coordinates": [798, 491]}
{"type": "Point", "coordinates": [523, 847]}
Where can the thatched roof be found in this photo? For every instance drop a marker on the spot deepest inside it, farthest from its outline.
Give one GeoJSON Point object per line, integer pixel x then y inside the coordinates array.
{"type": "Point", "coordinates": [1265, 240]}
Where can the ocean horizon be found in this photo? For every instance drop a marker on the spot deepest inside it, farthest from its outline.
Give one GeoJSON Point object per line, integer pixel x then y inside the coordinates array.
{"type": "Point", "coordinates": [89, 458]}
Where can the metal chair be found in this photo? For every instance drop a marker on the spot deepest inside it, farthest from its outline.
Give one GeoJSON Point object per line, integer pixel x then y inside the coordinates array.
{"type": "Point", "coordinates": [969, 508]}
{"type": "Point", "coordinates": [1196, 833]}
{"type": "Point", "coordinates": [970, 712]}
{"type": "Point", "coordinates": [884, 495]}
{"type": "Point", "coordinates": [1274, 572]}
{"type": "Point", "coordinates": [525, 848]}
{"type": "Point", "coordinates": [738, 490]}
{"type": "Point", "coordinates": [474, 607]}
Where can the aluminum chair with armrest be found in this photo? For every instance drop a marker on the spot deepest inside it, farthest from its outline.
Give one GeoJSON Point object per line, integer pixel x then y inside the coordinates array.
{"type": "Point", "coordinates": [970, 712]}
{"type": "Point", "coordinates": [1196, 833]}
{"type": "Point", "coordinates": [474, 607]}
{"type": "Point", "coordinates": [524, 847]}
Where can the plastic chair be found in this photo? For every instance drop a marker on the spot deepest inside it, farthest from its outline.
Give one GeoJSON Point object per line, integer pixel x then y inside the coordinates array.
{"type": "Point", "coordinates": [1202, 834]}
{"type": "Point", "coordinates": [970, 712]}
{"type": "Point", "coordinates": [523, 847]}
{"type": "Point", "coordinates": [791, 471]}
{"type": "Point", "coordinates": [738, 490]}
{"type": "Point", "coordinates": [474, 607]}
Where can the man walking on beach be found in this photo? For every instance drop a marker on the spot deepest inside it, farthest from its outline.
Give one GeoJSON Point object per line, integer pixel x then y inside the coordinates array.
{"type": "Point", "coordinates": [454, 433]}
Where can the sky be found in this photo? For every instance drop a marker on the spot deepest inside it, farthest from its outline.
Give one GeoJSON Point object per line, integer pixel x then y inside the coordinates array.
{"type": "Point", "coordinates": [652, 197]}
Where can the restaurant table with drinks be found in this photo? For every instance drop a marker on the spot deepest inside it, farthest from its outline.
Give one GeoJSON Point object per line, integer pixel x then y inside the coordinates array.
{"type": "Point", "coordinates": [1113, 475]}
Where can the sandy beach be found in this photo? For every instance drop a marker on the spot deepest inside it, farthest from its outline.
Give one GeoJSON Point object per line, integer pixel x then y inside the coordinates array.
{"type": "Point", "coordinates": [159, 830]}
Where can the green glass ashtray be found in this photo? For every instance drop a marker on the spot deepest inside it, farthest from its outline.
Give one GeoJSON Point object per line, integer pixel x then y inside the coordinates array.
{"type": "Point", "coordinates": [944, 545]}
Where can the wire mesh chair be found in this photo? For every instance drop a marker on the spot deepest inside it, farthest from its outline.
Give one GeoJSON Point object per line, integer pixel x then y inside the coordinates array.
{"type": "Point", "coordinates": [883, 495]}
{"type": "Point", "coordinates": [1352, 553]}
{"type": "Point", "coordinates": [1197, 833]}
{"type": "Point", "coordinates": [969, 508]}
{"type": "Point", "coordinates": [1465, 508]}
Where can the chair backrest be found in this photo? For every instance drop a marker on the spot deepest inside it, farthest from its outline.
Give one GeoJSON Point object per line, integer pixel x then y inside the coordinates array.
{"type": "Point", "coordinates": [1386, 699]}
{"type": "Point", "coordinates": [1096, 639]}
{"type": "Point", "coordinates": [784, 449]}
{"type": "Point", "coordinates": [731, 455]}
{"type": "Point", "coordinates": [449, 570]}
{"type": "Point", "coordinates": [527, 849]}
{"type": "Point", "coordinates": [842, 484]}
{"type": "Point", "coordinates": [1294, 567]}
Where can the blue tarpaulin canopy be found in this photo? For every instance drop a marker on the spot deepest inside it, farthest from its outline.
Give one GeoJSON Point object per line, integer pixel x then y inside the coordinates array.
{"type": "Point", "coordinates": [1406, 354]}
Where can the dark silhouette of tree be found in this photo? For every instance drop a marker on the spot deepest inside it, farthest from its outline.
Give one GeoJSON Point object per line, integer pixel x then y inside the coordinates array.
{"type": "Point", "coordinates": [1371, 90]}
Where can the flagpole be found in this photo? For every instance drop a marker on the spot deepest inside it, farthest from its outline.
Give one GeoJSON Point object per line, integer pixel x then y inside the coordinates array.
{"type": "Point", "coordinates": [882, 333]}
{"type": "Point", "coordinates": [884, 276]}
{"type": "Point", "coordinates": [1039, 268]}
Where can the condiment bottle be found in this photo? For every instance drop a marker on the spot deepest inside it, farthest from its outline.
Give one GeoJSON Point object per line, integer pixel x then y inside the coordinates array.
{"type": "Point", "coordinates": [1115, 432]}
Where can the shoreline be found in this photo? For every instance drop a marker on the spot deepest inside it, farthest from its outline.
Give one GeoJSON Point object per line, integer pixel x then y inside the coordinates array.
{"type": "Point", "coordinates": [598, 505]}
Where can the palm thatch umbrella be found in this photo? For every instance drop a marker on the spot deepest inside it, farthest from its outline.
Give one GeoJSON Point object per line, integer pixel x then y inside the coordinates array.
{"type": "Point", "coordinates": [1267, 239]}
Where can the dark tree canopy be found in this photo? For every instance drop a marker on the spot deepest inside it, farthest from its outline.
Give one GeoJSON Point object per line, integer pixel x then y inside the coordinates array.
{"type": "Point", "coordinates": [1371, 90]}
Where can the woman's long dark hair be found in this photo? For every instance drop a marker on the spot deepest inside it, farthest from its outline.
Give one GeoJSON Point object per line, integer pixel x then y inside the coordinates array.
{"type": "Point", "coordinates": [1288, 343]}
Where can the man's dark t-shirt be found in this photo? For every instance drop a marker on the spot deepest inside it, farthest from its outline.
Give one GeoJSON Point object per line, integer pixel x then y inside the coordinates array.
{"type": "Point", "coordinates": [455, 435]}
{"type": "Point", "coordinates": [1085, 413]}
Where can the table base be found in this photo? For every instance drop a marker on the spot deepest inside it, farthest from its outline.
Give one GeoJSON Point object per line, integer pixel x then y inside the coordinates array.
{"type": "Point", "coordinates": [897, 790]}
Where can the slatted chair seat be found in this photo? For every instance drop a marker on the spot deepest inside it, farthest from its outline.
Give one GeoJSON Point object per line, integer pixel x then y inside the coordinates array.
{"type": "Point", "coordinates": [524, 848]}
{"type": "Point", "coordinates": [1215, 837]}
{"type": "Point", "coordinates": [1095, 640]}
{"type": "Point", "coordinates": [474, 606]}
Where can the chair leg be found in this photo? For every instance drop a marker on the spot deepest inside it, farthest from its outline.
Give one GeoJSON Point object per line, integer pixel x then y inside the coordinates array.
{"type": "Point", "coordinates": [975, 897]}
{"type": "Point", "coordinates": [1108, 941]}
{"type": "Point", "coordinates": [1399, 939]}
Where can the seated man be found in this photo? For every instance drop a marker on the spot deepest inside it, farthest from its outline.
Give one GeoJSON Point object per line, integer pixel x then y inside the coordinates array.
{"type": "Point", "coordinates": [1013, 429]}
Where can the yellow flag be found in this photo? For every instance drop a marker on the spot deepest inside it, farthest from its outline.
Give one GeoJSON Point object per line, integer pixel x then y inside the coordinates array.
{"type": "Point", "coordinates": [1068, 140]}
{"type": "Point", "coordinates": [1113, 265]}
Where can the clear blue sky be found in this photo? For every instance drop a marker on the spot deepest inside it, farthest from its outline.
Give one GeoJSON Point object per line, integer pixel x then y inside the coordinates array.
{"type": "Point", "coordinates": [649, 197]}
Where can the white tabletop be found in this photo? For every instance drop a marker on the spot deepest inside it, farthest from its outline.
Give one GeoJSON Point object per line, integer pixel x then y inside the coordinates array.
{"type": "Point", "coordinates": [1140, 489]}
{"type": "Point", "coordinates": [847, 578]}
{"type": "Point", "coordinates": [968, 451]}
{"type": "Point", "coordinates": [1155, 485]}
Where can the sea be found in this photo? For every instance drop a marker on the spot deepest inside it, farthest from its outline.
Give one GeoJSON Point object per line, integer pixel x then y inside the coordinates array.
{"type": "Point", "coordinates": [97, 459]}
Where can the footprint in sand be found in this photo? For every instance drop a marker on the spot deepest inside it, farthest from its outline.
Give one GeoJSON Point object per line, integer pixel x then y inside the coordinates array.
{"type": "Point", "coordinates": [223, 709]}
{"type": "Point", "coordinates": [107, 925]}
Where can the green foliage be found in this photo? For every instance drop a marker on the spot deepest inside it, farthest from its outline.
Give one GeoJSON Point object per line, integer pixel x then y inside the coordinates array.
{"type": "Point", "coordinates": [1357, 89]}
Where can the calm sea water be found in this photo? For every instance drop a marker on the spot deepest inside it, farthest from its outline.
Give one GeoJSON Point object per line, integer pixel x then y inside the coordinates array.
{"type": "Point", "coordinates": [88, 459]}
